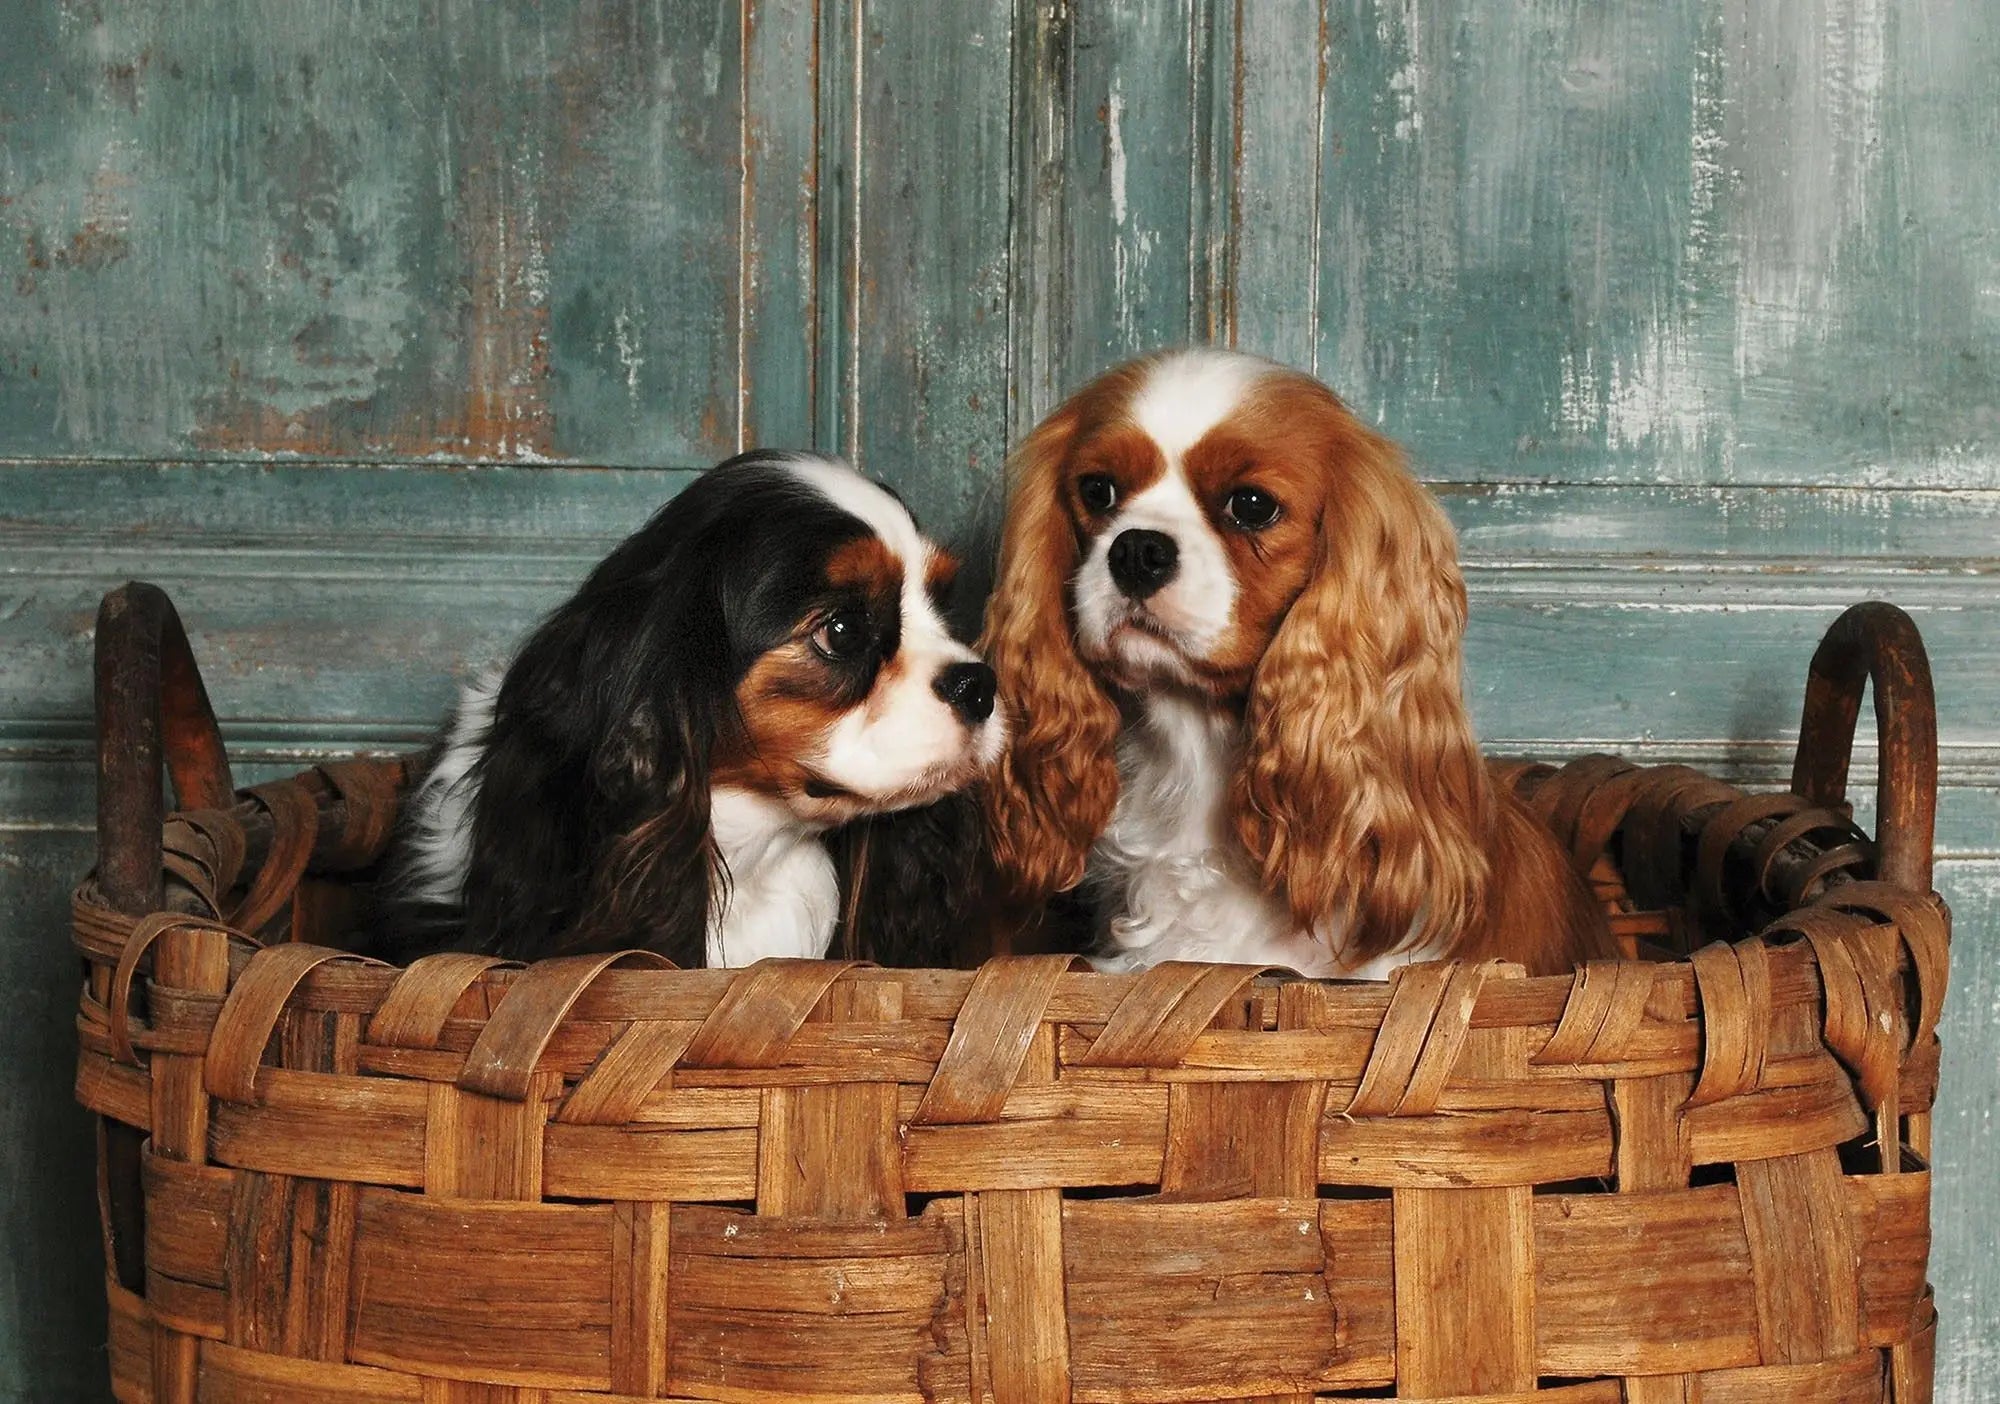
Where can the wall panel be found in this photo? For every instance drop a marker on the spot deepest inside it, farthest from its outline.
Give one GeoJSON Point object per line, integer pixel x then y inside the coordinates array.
{"type": "Point", "coordinates": [484, 231]}
{"type": "Point", "coordinates": [1686, 242]}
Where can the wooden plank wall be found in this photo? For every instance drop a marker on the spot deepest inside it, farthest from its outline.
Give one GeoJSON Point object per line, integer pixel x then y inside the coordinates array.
{"type": "Point", "coordinates": [310, 311]}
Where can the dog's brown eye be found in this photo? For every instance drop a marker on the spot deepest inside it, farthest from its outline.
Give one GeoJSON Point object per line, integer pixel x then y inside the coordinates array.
{"type": "Point", "coordinates": [843, 634]}
{"type": "Point", "coordinates": [1098, 492]}
{"type": "Point", "coordinates": [1251, 508]}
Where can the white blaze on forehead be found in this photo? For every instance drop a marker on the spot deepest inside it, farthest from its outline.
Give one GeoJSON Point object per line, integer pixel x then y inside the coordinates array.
{"type": "Point", "coordinates": [1188, 393]}
{"type": "Point", "coordinates": [877, 508]}
{"type": "Point", "coordinates": [873, 504]}
{"type": "Point", "coordinates": [1183, 397]}
{"type": "Point", "coordinates": [904, 737]}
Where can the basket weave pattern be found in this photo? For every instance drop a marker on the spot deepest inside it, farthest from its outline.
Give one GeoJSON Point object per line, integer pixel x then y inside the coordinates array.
{"type": "Point", "coordinates": [599, 1178]}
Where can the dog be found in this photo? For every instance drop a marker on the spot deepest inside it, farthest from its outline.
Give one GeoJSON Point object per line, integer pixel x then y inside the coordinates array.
{"type": "Point", "coordinates": [1227, 628]}
{"type": "Point", "coordinates": [689, 754]}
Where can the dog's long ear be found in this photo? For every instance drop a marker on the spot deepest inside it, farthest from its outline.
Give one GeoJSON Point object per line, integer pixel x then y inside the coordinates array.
{"type": "Point", "coordinates": [912, 885]}
{"type": "Point", "coordinates": [590, 829]}
{"type": "Point", "coordinates": [1362, 792]}
{"type": "Point", "coordinates": [1057, 782]}
{"type": "Point", "coordinates": [658, 875]}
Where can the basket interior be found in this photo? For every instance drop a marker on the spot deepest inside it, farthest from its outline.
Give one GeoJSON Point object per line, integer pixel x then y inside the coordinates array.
{"type": "Point", "coordinates": [1677, 859]}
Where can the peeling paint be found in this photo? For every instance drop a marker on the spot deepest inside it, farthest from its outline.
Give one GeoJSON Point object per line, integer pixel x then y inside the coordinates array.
{"type": "Point", "coordinates": [628, 351]}
{"type": "Point", "coordinates": [1807, 146]}
{"type": "Point", "coordinates": [341, 233]}
{"type": "Point", "coordinates": [1409, 117]}
{"type": "Point", "coordinates": [1708, 240]}
{"type": "Point", "coordinates": [1114, 134]}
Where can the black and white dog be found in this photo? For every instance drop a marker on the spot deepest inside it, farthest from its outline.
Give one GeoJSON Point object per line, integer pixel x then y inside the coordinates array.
{"type": "Point", "coordinates": [682, 756]}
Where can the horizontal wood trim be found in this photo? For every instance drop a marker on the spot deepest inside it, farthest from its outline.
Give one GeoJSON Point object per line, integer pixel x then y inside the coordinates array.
{"type": "Point", "coordinates": [537, 567]}
{"type": "Point", "coordinates": [555, 511]}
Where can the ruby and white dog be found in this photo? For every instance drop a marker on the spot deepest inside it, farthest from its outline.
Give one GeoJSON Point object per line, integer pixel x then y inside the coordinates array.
{"type": "Point", "coordinates": [1227, 629]}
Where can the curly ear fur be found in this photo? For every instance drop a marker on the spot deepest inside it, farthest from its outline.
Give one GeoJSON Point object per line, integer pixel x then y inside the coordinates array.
{"type": "Point", "coordinates": [1363, 794]}
{"type": "Point", "coordinates": [1056, 784]}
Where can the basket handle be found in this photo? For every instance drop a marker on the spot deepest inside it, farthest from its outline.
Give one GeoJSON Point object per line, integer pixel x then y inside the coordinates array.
{"type": "Point", "coordinates": [1876, 643]}
{"type": "Point", "coordinates": [152, 711]}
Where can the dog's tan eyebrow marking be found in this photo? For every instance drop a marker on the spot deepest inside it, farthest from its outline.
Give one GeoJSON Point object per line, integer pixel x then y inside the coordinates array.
{"type": "Point", "coordinates": [866, 563]}
{"type": "Point", "coordinates": [940, 570]}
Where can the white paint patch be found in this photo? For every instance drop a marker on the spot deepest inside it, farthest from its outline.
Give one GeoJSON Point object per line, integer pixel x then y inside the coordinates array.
{"type": "Point", "coordinates": [1114, 135]}
{"type": "Point", "coordinates": [535, 262]}
{"type": "Point", "coordinates": [628, 351]}
{"type": "Point", "coordinates": [1579, 396]}
{"type": "Point", "coordinates": [1132, 246]}
{"type": "Point", "coordinates": [1656, 397]}
{"type": "Point", "coordinates": [1131, 257]}
{"type": "Point", "coordinates": [1659, 400]}
{"type": "Point", "coordinates": [1409, 116]}
{"type": "Point", "coordinates": [1708, 146]}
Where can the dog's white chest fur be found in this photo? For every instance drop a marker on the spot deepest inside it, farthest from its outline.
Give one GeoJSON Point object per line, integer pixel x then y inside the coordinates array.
{"type": "Point", "coordinates": [783, 891]}
{"type": "Point", "coordinates": [1169, 878]}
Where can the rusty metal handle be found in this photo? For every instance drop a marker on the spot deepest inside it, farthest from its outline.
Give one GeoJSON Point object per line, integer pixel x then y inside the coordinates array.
{"type": "Point", "coordinates": [152, 713]}
{"type": "Point", "coordinates": [1876, 643]}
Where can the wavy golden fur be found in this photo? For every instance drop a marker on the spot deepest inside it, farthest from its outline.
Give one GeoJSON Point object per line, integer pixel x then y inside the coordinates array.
{"type": "Point", "coordinates": [1362, 793]}
{"type": "Point", "coordinates": [1056, 782]}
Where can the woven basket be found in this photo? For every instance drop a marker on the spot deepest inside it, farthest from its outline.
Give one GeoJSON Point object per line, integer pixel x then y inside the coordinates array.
{"type": "Point", "coordinates": [598, 1178]}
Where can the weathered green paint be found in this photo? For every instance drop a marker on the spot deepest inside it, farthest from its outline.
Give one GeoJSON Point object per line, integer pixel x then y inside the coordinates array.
{"type": "Point", "coordinates": [1690, 309]}
{"type": "Point", "coordinates": [1123, 191]}
{"type": "Point", "coordinates": [781, 202]}
{"type": "Point", "coordinates": [1694, 242]}
{"type": "Point", "coordinates": [1682, 241]}
{"type": "Point", "coordinates": [449, 228]}
{"type": "Point", "coordinates": [929, 206]}
{"type": "Point", "coordinates": [1967, 1138]}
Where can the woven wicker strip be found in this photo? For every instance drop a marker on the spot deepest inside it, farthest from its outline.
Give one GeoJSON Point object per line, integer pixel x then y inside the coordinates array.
{"type": "Point", "coordinates": [1698, 1177]}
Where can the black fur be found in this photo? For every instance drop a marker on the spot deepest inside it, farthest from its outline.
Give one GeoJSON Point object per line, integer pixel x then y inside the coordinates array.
{"type": "Point", "coordinates": [913, 885]}
{"type": "Point", "coordinates": [590, 829]}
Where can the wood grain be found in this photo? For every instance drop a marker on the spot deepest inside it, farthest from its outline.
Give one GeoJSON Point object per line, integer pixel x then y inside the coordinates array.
{"type": "Point", "coordinates": [1464, 1322]}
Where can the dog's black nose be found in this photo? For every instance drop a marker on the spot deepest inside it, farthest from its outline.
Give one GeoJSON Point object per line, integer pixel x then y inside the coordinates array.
{"type": "Point", "coordinates": [968, 688]}
{"type": "Point", "coordinates": [1142, 561]}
